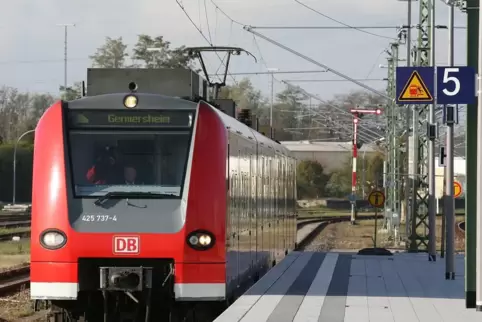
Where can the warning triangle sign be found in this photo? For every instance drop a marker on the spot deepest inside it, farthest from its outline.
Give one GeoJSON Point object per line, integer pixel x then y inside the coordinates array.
{"type": "Point", "coordinates": [415, 90]}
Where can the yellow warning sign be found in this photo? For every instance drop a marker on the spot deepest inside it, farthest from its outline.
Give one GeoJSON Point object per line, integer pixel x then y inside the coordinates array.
{"type": "Point", "coordinates": [376, 199]}
{"type": "Point", "coordinates": [457, 189]}
{"type": "Point", "coordinates": [415, 89]}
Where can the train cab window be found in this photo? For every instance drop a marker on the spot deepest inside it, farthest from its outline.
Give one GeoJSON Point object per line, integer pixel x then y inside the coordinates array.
{"type": "Point", "coordinates": [128, 161]}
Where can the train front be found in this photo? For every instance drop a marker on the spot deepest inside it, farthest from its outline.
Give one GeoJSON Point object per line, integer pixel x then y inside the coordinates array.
{"type": "Point", "coordinates": [128, 205]}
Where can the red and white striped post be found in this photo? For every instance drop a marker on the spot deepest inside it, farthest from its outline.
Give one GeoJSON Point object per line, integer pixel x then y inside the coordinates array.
{"type": "Point", "coordinates": [357, 115]}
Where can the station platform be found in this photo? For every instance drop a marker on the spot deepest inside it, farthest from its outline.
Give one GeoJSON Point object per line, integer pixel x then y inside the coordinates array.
{"type": "Point", "coordinates": [345, 287]}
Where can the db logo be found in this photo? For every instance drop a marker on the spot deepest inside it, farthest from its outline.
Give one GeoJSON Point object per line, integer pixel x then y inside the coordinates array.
{"type": "Point", "coordinates": [126, 245]}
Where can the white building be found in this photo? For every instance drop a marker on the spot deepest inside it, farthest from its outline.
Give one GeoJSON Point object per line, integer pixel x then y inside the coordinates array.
{"type": "Point", "coordinates": [331, 155]}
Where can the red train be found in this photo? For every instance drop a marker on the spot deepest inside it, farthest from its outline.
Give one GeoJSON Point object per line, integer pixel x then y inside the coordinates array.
{"type": "Point", "coordinates": [153, 208]}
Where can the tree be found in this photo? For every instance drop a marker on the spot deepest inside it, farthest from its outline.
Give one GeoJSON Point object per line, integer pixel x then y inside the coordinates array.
{"type": "Point", "coordinates": [374, 171]}
{"type": "Point", "coordinates": [71, 93]}
{"type": "Point", "coordinates": [244, 95]}
{"type": "Point", "coordinates": [163, 57]}
{"type": "Point", "coordinates": [286, 113]}
{"type": "Point", "coordinates": [339, 184]}
{"type": "Point", "coordinates": [110, 55]}
{"type": "Point", "coordinates": [311, 180]}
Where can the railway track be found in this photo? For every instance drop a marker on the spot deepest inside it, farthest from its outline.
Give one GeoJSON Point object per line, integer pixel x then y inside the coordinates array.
{"type": "Point", "coordinates": [12, 217]}
{"type": "Point", "coordinates": [303, 221]}
{"type": "Point", "coordinates": [9, 236]}
{"type": "Point", "coordinates": [325, 221]}
{"type": "Point", "coordinates": [14, 280]}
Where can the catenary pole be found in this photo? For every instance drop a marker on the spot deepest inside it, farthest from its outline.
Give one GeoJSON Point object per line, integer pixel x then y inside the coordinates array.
{"type": "Point", "coordinates": [407, 122]}
{"type": "Point", "coordinates": [449, 205]}
{"type": "Point", "coordinates": [431, 153]}
{"type": "Point", "coordinates": [478, 258]}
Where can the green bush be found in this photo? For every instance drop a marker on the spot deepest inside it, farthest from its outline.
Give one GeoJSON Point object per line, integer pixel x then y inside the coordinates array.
{"type": "Point", "coordinates": [23, 176]}
{"type": "Point", "coordinates": [311, 180]}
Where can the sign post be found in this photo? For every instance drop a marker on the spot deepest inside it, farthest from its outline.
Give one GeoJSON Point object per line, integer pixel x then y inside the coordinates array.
{"type": "Point", "coordinates": [376, 199]}
{"type": "Point", "coordinates": [415, 85]}
{"type": "Point", "coordinates": [455, 85]}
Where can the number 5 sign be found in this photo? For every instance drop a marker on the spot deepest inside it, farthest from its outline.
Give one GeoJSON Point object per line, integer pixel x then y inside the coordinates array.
{"type": "Point", "coordinates": [456, 85]}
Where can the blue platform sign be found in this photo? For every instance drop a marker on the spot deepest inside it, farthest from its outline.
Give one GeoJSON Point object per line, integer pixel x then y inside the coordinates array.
{"type": "Point", "coordinates": [415, 85]}
{"type": "Point", "coordinates": [456, 85]}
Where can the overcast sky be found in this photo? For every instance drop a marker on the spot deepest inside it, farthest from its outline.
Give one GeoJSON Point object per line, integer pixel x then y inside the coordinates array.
{"type": "Point", "coordinates": [31, 55]}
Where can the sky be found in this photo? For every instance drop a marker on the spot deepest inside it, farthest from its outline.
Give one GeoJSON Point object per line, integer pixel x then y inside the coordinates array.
{"type": "Point", "coordinates": [31, 55]}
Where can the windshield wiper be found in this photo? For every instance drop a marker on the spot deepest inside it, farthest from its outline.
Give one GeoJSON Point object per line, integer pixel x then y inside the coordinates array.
{"type": "Point", "coordinates": [128, 194]}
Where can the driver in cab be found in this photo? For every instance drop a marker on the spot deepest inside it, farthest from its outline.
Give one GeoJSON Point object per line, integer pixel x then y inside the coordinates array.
{"type": "Point", "coordinates": [106, 169]}
{"type": "Point", "coordinates": [130, 175]}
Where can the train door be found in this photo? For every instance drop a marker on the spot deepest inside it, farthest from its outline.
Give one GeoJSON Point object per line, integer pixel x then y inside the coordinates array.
{"type": "Point", "coordinates": [265, 226]}
{"type": "Point", "coordinates": [282, 203]}
{"type": "Point", "coordinates": [292, 209]}
{"type": "Point", "coordinates": [259, 210]}
{"type": "Point", "coordinates": [252, 210]}
{"type": "Point", "coordinates": [244, 248]}
{"type": "Point", "coordinates": [276, 210]}
{"type": "Point", "coordinates": [270, 209]}
{"type": "Point", "coordinates": [238, 213]}
{"type": "Point", "coordinates": [229, 229]}
{"type": "Point", "coordinates": [232, 265]}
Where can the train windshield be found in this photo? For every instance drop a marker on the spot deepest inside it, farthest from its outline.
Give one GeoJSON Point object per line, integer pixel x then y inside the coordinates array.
{"type": "Point", "coordinates": [113, 159]}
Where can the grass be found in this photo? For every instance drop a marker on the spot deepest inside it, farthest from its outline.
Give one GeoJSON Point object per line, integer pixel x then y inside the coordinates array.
{"type": "Point", "coordinates": [16, 306]}
{"type": "Point", "coordinates": [14, 253]}
{"type": "Point", "coordinates": [13, 230]}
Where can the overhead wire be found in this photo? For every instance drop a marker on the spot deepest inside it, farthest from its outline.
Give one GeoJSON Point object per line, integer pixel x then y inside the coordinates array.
{"type": "Point", "coordinates": [342, 23]}
{"type": "Point", "coordinates": [233, 21]}
{"type": "Point", "coordinates": [225, 14]}
{"type": "Point", "coordinates": [204, 36]}
{"type": "Point", "coordinates": [207, 21]}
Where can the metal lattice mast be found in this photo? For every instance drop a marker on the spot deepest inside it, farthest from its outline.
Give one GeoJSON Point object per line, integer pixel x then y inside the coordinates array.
{"type": "Point", "coordinates": [389, 126]}
{"type": "Point", "coordinates": [391, 120]}
{"type": "Point", "coordinates": [419, 217]}
{"type": "Point", "coordinates": [394, 138]}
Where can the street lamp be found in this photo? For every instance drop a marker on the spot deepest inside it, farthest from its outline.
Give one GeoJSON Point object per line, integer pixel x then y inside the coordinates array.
{"type": "Point", "coordinates": [271, 70]}
{"type": "Point", "coordinates": [15, 163]}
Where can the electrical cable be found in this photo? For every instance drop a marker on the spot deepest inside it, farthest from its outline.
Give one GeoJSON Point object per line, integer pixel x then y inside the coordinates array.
{"type": "Point", "coordinates": [207, 21]}
{"type": "Point", "coordinates": [205, 38]}
{"type": "Point", "coordinates": [342, 23]}
{"type": "Point", "coordinates": [226, 15]}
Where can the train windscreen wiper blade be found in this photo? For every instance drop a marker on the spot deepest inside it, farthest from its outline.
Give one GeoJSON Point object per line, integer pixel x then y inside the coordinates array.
{"type": "Point", "coordinates": [128, 194]}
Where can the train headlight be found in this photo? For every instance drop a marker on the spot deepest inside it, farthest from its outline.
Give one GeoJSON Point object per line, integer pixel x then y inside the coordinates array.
{"type": "Point", "coordinates": [130, 101]}
{"type": "Point", "coordinates": [201, 240]}
{"type": "Point", "coordinates": [53, 239]}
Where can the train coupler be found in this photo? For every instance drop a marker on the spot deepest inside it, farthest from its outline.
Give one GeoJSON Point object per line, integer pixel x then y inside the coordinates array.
{"type": "Point", "coordinates": [125, 278]}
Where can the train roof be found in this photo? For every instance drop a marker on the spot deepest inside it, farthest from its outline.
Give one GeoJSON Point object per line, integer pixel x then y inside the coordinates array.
{"type": "Point", "coordinates": [240, 128]}
{"type": "Point", "coordinates": [146, 101]}
{"type": "Point", "coordinates": [158, 101]}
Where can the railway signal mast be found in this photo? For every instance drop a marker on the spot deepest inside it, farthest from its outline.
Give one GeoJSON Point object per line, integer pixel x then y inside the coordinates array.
{"type": "Point", "coordinates": [357, 116]}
